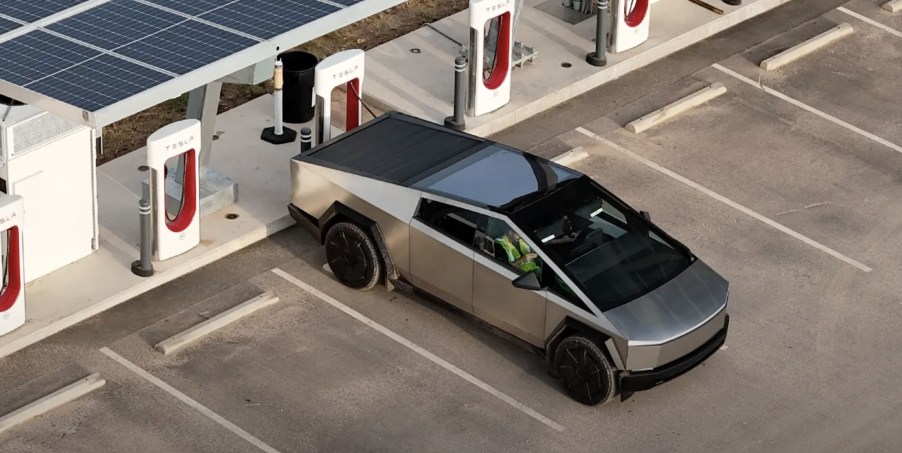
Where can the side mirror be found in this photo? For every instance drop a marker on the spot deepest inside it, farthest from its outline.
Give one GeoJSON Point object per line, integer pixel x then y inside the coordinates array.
{"type": "Point", "coordinates": [645, 215]}
{"type": "Point", "coordinates": [528, 281]}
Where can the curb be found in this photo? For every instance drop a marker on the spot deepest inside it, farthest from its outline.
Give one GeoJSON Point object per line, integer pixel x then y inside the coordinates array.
{"type": "Point", "coordinates": [159, 279]}
{"type": "Point", "coordinates": [571, 157]}
{"type": "Point", "coordinates": [49, 402]}
{"type": "Point", "coordinates": [893, 6]}
{"type": "Point", "coordinates": [192, 334]}
{"type": "Point", "coordinates": [675, 108]}
{"type": "Point", "coordinates": [806, 47]}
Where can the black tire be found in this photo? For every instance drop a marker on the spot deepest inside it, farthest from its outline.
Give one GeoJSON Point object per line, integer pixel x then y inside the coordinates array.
{"type": "Point", "coordinates": [585, 371]}
{"type": "Point", "coordinates": [352, 256]}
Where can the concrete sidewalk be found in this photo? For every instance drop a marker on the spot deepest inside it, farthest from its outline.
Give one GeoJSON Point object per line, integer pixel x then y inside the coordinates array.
{"type": "Point", "coordinates": [104, 279]}
{"type": "Point", "coordinates": [427, 76]}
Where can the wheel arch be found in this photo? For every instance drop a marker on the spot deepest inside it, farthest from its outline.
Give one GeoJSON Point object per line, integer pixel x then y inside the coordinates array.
{"type": "Point", "coordinates": [339, 212]}
{"type": "Point", "coordinates": [570, 326]}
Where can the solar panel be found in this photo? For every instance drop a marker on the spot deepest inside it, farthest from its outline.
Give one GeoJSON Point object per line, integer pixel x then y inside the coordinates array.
{"type": "Point", "coordinates": [115, 24]}
{"type": "Point", "coordinates": [147, 34]}
{"type": "Point", "coordinates": [193, 7]}
{"type": "Point", "coordinates": [34, 10]}
{"type": "Point", "coordinates": [8, 25]}
{"type": "Point", "coordinates": [346, 2]}
{"type": "Point", "coordinates": [186, 46]}
{"type": "Point", "coordinates": [266, 19]}
{"type": "Point", "coordinates": [109, 51]}
{"type": "Point", "coordinates": [37, 54]}
{"type": "Point", "coordinates": [98, 82]}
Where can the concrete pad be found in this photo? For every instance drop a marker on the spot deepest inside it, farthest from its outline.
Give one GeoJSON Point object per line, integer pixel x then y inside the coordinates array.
{"type": "Point", "coordinates": [733, 204]}
{"type": "Point", "coordinates": [773, 280]}
{"type": "Point", "coordinates": [427, 76]}
{"type": "Point", "coordinates": [863, 64]}
{"type": "Point", "coordinates": [782, 162]}
{"type": "Point", "coordinates": [493, 357]}
{"type": "Point", "coordinates": [305, 376]}
{"type": "Point", "coordinates": [777, 286]}
{"type": "Point", "coordinates": [505, 364]}
{"type": "Point", "coordinates": [52, 401]}
{"type": "Point", "coordinates": [870, 21]}
{"type": "Point", "coordinates": [804, 48]}
{"type": "Point", "coordinates": [104, 279]}
{"type": "Point", "coordinates": [873, 10]}
{"type": "Point", "coordinates": [671, 110]}
{"type": "Point", "coordinates": [893, 6]}
{"type": "Point", "coordinates": [189, 336]}
{"type": "Point", "coordinates": [126, 414]}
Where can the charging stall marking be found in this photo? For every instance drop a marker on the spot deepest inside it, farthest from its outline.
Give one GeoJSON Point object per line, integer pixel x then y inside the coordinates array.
{"type": "Point", "coordinates": [12, 266]}
{"type": "Point", "coordinates": [489, 93]}
{"type": "Point", "coordinates": [346, 67]}
{"type": "Point", "coordinates": [179, 234]}
{"type": "Point", "coordinates": [630, 24]}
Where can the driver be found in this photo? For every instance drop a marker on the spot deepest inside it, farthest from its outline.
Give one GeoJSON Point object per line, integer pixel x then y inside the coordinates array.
{"type": "Point", "coordinates": [518, 252]}
{"type": "Point", "coordinates": [568, 232]}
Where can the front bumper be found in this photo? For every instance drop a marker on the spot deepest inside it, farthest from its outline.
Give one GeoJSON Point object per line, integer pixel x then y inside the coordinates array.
{"type": "Point", "coordinates": [644, 380]}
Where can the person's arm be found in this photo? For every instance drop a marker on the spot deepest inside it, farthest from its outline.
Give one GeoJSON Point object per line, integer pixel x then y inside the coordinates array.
{"type": "Point", "coordinates": [525, 258]}
{"type": "Point", "coordinates": [565, 238]}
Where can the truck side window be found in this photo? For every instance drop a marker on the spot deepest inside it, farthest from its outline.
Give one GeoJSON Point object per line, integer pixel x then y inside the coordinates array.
{"type": "Point", "coordinates": [457, 223]}
{"type": "Point", "coordinates": [501, 242]}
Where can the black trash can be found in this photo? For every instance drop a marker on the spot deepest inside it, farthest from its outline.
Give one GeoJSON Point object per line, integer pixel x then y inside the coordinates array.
{"type": "Point", "coordinates": [297, 90]}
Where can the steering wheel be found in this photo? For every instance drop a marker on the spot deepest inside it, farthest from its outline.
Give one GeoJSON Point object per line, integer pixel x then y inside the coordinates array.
{"type": "Point", "coordinates": [586, 245]}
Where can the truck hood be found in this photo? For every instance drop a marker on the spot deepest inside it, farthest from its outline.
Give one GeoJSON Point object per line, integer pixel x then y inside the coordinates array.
{"type": "Point", "coordinates": [674, 309]}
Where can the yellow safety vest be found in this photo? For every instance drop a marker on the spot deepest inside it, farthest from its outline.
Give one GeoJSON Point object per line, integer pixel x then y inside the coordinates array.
{"type": "Point", "coordinates": [513, 254]}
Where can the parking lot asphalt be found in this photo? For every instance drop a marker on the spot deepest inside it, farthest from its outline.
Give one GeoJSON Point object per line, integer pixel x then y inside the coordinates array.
{"type": "Point", "coordinates": [787, 186]}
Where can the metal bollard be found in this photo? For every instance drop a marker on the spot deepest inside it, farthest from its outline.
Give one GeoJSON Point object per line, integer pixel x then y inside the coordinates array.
{"type": "Point", "coordinates": [277, 99]}
{"type": "Point", "coordinates": [598, 57]}
{"type": "Point", "coordinates": [144, 267]}
{"type": "Point", "coordinates": [457, 122]}
{"type": "Point", "coordinates": [306, 139]}
{"type": "Point", "coordinates": [277, 134]}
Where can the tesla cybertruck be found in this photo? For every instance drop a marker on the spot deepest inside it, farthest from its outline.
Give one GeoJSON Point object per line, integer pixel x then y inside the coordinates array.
{"type": "Point", "coordinates": [535, 249]}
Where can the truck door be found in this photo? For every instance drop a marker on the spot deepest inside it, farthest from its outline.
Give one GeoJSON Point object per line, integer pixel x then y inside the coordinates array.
{"type": "Point", "coordinates": [519, 312]}
{"type": "Point", "coordinates": [441, 253]}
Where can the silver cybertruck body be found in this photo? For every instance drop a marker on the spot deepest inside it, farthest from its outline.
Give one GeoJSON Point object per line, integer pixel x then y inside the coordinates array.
{"type": "Point", "coordinates": [535, 249]}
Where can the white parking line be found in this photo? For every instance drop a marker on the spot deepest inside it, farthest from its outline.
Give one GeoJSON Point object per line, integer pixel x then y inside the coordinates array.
{"type": "Point", "coordinates": [187, 400]}
{"type": "Point", "coordinates": [413, 347]}
{"type": "Point", "coordinates": [726, 201]}
{"type": "Point", "coordinates": [809, 108]}
{"type": "Point", "coordinates": [870, 21]}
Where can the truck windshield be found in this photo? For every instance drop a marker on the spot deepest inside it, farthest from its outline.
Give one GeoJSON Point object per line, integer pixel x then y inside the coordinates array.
{"type": "Point", "coordinates": [613, 254]}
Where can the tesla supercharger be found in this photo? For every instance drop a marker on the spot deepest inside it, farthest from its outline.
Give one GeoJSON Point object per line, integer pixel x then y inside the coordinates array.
{"type": "Point", "coordinates": [345, 67]}
{"type": "Point", "coordinates": [176, 233]}
{"type": "Point", "coordinates": [492, 90]}
{"type": "Point", "coordinates": [629, 19]}
{"type": "Point", "coordinates": [12, 265]}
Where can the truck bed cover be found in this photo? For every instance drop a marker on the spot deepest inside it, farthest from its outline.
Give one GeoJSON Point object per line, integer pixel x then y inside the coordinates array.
{"type": "Point", "coordinates": [395, 148]}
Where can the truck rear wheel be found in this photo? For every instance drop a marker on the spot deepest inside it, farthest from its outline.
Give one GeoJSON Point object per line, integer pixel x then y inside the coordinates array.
{"type": "Point", "coordinates": [352, 256]}
{"type": "Point", "coordinates": [585, 370]}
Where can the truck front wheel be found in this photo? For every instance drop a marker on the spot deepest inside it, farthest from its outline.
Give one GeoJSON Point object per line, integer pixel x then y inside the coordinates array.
{"type": "Point", "coordinates": [352, 256]}
{"type": "Point", "coordinates": [585, 370]}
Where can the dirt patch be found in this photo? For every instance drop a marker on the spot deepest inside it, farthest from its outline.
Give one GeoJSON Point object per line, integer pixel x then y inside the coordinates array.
{"type": "Point", "coordinates": [131, 133]}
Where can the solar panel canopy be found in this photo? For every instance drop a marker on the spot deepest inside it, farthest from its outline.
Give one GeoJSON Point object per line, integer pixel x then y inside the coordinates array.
{"type": "Point", "coordinates": [98, 61]}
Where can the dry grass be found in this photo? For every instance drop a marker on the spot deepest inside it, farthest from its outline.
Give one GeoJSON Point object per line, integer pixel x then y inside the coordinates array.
{"type": "Point", "coordinates": [131, 133]}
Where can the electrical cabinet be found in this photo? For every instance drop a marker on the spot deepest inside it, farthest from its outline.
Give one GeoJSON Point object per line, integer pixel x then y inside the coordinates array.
{"type": "Point", "coordinates": [50, 162]}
